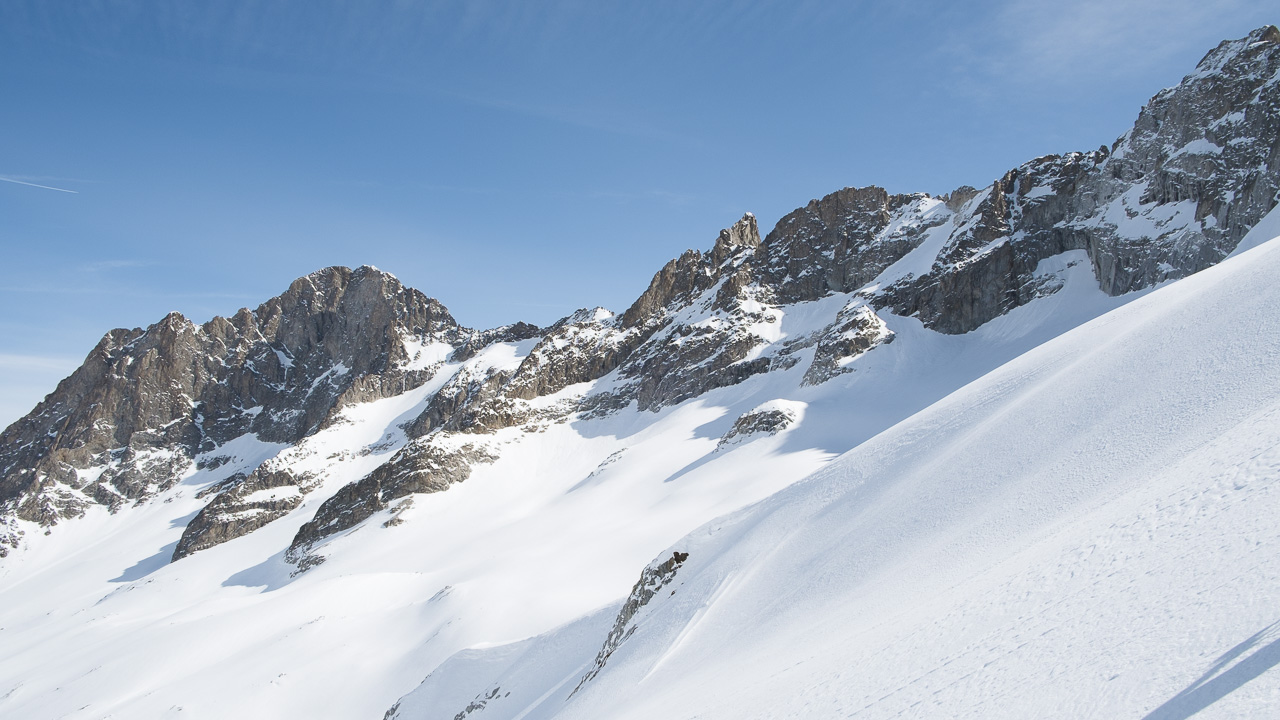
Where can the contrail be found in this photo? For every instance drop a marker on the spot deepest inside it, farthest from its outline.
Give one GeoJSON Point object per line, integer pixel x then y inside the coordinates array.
{"type": "Point", "coordinates": [46, 187]}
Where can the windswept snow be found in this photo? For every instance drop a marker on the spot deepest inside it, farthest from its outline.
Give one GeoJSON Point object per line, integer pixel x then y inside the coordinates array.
{"type": "Point", "coordinates": [1088, 531]}
{"type": "Point", "coordinates": [424, 353]}
{"type": "Point", "coordinates": [884, 548]}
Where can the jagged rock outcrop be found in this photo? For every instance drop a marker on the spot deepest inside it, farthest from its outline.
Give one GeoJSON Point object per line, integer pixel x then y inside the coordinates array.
{"type": "Point", "coordinates": [579, 348]}
{"type": "Point", "coordinates": [856, 330]}
{"type": "Point", "coordinates": [480, 340]}
{"type": "Point", "coordinates": [471, 401]}
{"type": "Point", "coordinates": [131, 419]}
{"type": "Point", "coordinates": [698, 327]}
{"type": "Point", "coordinates": [654, 578]}
{"type": "Point", "coordinates": [842, 242]}
{"type": "Point", "coordinates": [1172, 196]}
{"type": "Point", "coordinates": [258, 499]}
{"type": "Point", "coordinates": [770, 419]}
{"type": "Point", "coordinates": [424, 467]}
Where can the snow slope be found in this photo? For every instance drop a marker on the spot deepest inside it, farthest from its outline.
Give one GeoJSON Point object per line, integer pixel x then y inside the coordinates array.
{"type": "Point", "coordinates": [1089, 531]}
{"type": "Point", "coordinates": [95, 623]}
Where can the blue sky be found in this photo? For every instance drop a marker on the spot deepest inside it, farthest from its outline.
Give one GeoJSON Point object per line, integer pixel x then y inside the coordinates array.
{"type": "Point", "coordinates": [516, 160]}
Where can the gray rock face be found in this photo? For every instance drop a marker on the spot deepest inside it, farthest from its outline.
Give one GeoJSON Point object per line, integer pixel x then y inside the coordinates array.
{"type": "Point", "coordinates": [245, 507]}
{"type": "Point", "coordinates": [129, 421]}
{"type": "Point", "coordinates": [1172, 196]}
{"type": "Point", "coordinates": [856, 331]}
{"type": "Point", "coordinates": [579, 348]}
{"type": "Point", "coordinates": [688, 353]}
{"type": "Point", "coordinates": [1210, 144]}
{"type": "Point", "coordinates": [471, 401]}
{"type": "Point", "coordinates": [478, 340]}
{"type": "Point", "coordinates": [839, 243]}
{"type": "Point", "coordinates": [424, 467]}
{"type": "Point", "coordinates": [757, 422]}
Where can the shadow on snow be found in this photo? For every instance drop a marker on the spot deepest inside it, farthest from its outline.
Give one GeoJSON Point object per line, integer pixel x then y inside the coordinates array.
{"type": "Point", "coordinates": [1216, 683]}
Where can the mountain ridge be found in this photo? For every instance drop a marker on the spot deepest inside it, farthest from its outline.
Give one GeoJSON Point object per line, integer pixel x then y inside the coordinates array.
{"type": "Point", "coordinates": [895, 560]}
{"type": "Point", "coordinates": [1170, 197]}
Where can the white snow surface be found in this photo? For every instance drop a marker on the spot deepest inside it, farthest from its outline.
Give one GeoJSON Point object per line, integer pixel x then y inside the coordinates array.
{"type": "Point", "coordinates": [423, 353]}
{"type": "Point", "coordinates": [951, 535]}
{"type": "Point", "coordinates": [1089, 531]}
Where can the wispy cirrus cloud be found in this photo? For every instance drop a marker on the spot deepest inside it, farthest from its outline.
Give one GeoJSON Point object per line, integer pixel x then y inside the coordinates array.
{"type": "Point", "coordinates": [1059, 36]}
{"type": "Point", "coordinates": [105, 265]}
{"type": "Point", "coordinates": [1056, 44]}
{"type": "Point", "coordinates": [36, 185]}
{"type": "Point", "coordinates": [16, 362]}
{"type": "Point", "coordinates": [117, 292]}
{"type": "Point", "coordinates": [646, 196]}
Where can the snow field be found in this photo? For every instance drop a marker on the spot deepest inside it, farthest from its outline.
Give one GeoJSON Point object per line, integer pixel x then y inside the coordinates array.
{"type": "Point", "coordinates": [96, 624]}
{"type": "Point", "coordinates": [1089, 531]}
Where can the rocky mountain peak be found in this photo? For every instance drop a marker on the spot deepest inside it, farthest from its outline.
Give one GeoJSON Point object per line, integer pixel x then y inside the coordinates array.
{"type": "Point", "coordinates": [145, 402]}
{"type": "Point", "coordinates": [833, 244]}
{"type": "Point", "coordinates": [1237, 51]}
{"type": "Point", "coordinates": [742, 235]}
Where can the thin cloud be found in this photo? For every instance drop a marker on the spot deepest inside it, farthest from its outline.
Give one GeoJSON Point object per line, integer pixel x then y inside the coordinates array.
{"type": "Point", "coordinates": [35, 185]}
{"type": "Point", "coordinates": [119, 292]}
{"type": "Point", "coordinates": [1068, 43]}
{"type": "Point", "coordinates": [1096, 33]}
{"type": "Point", "coordinates": [10, 362]}
{"type": "Point", "coordinates": [102, 265]}
{"type": "Point", "coordinates": [599, 119]}
{"type": "Point", "coordinates": [662, 196]}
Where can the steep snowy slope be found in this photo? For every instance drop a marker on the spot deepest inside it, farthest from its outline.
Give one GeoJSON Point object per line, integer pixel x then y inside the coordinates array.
{"type": "Point", "coordinates": [1089, 531]}
{"type": "Point", "coordinates": [95, 621]}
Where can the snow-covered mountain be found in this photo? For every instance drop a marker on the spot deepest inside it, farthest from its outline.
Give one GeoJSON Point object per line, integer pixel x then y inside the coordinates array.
{"type": "Point", "coordinates": [903, 455]}
{"type": "Point", "coordinates": [1088, 531]}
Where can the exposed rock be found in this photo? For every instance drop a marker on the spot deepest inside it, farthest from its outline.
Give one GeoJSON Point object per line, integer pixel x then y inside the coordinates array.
{"type": "Point", "coordinates": [841, 242]}
{"type": "Point", "coordinates": [1171, 197]}
{"type": "Point", "coordinates": [686, 359]}
{"type": "Point", "coordinates": [654, 578]}
{"type": "Point", "coordinates": [678, 282]}
{"type": "Point", "coordinates": [400, 508]}
{"type": "Point", "coordinates": [470, 401]}
{"type": "Point", "coordinates": [760, 421]}
{"type": "Point", "coordinates": [127, 423]}
{"type": "Point", "coordinates": [426, 466]}
{"type": "Point", "coordinates": [10, 536]}
{"type": "Point", "coordinates": [856, 330]}
{"type": "Point", "coordinates": [583, 347]}
{"type": "Point", "coordinates": [957, 198]}
{"type": "Point", "coordinates": [265, 495]}
{"type": "Point", "coordinates": [480, 703]}
{"type": "Point", "coordinates": [478, 341]}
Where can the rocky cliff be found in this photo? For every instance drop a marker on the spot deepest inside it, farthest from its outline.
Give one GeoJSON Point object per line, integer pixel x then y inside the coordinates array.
{"type": "Point", "coordinates": [146, 403]}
